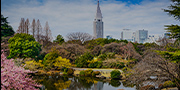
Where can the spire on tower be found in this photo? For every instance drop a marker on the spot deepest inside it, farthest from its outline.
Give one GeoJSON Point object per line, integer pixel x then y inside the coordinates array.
{"type": "Point", "coordinates": [98, 12]}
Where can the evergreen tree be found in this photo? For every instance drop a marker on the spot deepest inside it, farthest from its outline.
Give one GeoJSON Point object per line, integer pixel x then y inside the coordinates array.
{"type": "Point", "coordinates": [6, 30]}
{"type": "Point", "coordinates": [174, 10]}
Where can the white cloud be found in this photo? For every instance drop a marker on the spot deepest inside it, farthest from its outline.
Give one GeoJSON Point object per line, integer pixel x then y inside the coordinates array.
{"type": "Point", "coordinates": [65, 16]}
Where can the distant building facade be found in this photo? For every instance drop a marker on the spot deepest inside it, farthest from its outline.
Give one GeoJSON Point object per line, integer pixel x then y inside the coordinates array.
{"type": "Point", "coordinates": [98, 23]}
{"type": "Point", "coordinates": [141, 36]}
{"type": "Point", "coordinates": [153, 39]}
{"type": "Point", "coordinates": [128, 35]}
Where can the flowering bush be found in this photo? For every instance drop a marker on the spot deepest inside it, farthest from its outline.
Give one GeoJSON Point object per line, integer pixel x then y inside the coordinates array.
{"type": "Point", "coordinates": [14, 77]}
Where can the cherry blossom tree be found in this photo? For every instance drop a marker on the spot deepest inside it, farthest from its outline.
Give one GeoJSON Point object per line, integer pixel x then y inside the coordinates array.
{"type": "Point", "coordinates": [14, 77]}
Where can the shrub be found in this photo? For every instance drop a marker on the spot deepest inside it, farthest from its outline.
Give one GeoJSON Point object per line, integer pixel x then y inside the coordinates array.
{"type": "Point", "coordinates": [148, 87]}
{"type": "Point", "coordinates": [82, 73]}
{"type": "Point", "coordinates": [115, 74]}
{"type": "Point", "coordinates": [95, 73]}
{"type": "Point", "coordinates": [88, 72]}
{"type": "Point", "coordinates": [168, 84]}
{"type": "Point", "coordinates": [82, 60]}
{"type": "Point", "coordinates": [70, 71]}
{"type": "Point", "coordinates": [23, 46]}
{"type": "Point", "coordinates": [102, 57]}
{"type": "Point", "coordinates": [99, 65]}
{"type": "Point", "coordinates": [115, 83]}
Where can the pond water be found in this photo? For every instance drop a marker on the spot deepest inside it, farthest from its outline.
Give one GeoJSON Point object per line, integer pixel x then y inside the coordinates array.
{"type": "Point", "coordinates": [79, 83]}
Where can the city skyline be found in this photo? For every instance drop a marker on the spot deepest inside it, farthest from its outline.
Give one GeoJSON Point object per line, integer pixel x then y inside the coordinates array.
{"type": "Point", "coordinates": [66, 16]}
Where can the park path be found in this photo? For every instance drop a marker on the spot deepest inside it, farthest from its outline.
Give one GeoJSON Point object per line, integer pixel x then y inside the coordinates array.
{"type": "Point", "coordinates": [104, 72]}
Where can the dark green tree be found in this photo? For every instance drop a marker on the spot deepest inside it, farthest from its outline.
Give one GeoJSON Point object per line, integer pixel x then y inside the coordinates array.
{"type": "Point", "coordinates": [82, 60]}
{"type": "Point", "coordinates": [23, 45]}
{"type": "Point", "coordinates": [59, 39]}
{"type": "Point", "coordinates": [174, 10]}
{"type": "Point", "coordinates": [6, 29]}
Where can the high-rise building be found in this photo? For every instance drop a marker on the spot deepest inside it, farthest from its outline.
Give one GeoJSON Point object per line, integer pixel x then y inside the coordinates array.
{"type": "Point", "coordinates": [152, 38]}
{"type": "Point", "coordinates": [141, 35]}
{"type": "Point", "coordinates": [128, 35]}
{"type": "Point", "coordinates": [98, 23]}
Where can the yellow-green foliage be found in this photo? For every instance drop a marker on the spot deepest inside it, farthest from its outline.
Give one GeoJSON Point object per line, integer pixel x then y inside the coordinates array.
{"type": "Point", "coordinates": [62, 62]}
{"type": "Point", "coordinates": [33, 65]}
{"type": "Point", "coordinates": [93, 61]}
{"type": "Point", "coordinates": [168, 84]}
{"type": "Point", "coordinates": [61, 85]}
{"type": "Point", "coordinates": [88, 72]}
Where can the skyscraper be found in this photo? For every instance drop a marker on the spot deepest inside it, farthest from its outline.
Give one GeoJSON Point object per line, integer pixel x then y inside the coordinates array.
{"type": "Point", "coordinates": [98, 23]}
{"type": "Point", "coordinates": [141, 35]}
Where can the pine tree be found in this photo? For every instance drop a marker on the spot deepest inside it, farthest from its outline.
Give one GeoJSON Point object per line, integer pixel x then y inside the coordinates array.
{"type": "Point", "coordinates": [174, 10]}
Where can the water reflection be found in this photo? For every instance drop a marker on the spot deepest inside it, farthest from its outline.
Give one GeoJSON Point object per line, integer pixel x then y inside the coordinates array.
{"type": "Point", "coordinates": [78, 83]}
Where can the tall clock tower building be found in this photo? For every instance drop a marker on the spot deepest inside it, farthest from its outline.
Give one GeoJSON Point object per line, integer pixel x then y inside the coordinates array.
{"type": "Point", "coordinates": [98, 23]}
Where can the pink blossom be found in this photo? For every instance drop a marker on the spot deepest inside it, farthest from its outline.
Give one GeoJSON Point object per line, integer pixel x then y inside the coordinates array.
{"type": "Point", "coordinates": [14, 77]}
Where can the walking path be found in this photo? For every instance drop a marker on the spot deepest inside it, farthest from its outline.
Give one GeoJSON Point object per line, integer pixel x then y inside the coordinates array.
{"type": "Point", "coordinates": [104, 72]}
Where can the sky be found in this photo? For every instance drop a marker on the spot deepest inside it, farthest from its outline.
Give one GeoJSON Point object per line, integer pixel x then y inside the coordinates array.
{"type": "Point", "coordinates": [67, 16]}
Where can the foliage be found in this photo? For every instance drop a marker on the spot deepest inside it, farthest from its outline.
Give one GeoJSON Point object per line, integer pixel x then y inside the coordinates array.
{"type": "Point", "coordinates": [59, 39]}
{"type": "Point", "coordinates": [115, 83]}
{"type": "Point", "coordinates": [150, 44]}
{"type": "Point", "coordinates": [115, 74]}
{"type": "Point", "coordinates": [62, 62]}
{"type": "Point", "coordinates": [6, 30]}
{"type": "Point", "coordinates": [82, 60]}
{"type": "Point", "coordinates": [97, 50]}
{"type": "Point", "coordinates": [33, 65]}
{"type": "Point", "coordinates": [50, 59]}
{"type": "Point", "coordinates": [23, 46]}
{"type": "Point", "coordinates": [60, 84]}
{"type": "Point", "coordinates": [174, 10]}
{"type": "Point", "coordinates": [14, 77]}
{"type": "Point", "coordinates": [102, 57]}
{"type": "Point", "coordinates": [94, 73]}
{"type": "Point", "coordinates": [110, 55]}
{"type": "Point", "coordinates": [112, 47]}
{"type": "Point", "coordinates": [82, 73]}
{"type": "Point", "coordinates": [70, 71]}
{"type": "Point", "coordinates": [88, 72]}
{"type": "Point", "coordinates": [168, 84]}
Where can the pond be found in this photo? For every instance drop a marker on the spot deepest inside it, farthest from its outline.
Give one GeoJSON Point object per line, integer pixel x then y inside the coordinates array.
{"type": "Point", "coordinates": [79, 83]}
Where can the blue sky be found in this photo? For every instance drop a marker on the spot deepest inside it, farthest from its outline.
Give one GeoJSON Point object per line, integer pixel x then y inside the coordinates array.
{"type": "Point", "coordinates": [66, 16]}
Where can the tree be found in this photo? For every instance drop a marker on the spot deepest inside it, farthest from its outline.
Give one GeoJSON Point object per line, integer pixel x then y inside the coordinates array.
{"type": "Point", "coordinates": [21, 27]}
{"type": "Point", "coordinates": [14, 77]}
{"type": "Point", "coordinates": [59, 39]}
{"type": "Point", "coordinates": [47, 33]}
{"type": "Point", "coordinates": [50, 59]}
{"type": "Point", "coordinates": [23, 45]}
{"type": "Point", "coordinates": [6, 30]}
{"type": "Point", "coordinates": [174, 10]}
{"type": "Point", "coordinates": [153, 64]}
{"type": "Point", "coordinates": [82, 60]}
{"type": "Point", "coordinates": [33, 28]}
{"type": "Point", "coordinates": [27, 25]}
{"type": "Point", "coordinates": [38, 35]}
{"type": "Point", "coordinates": [79, 36]}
